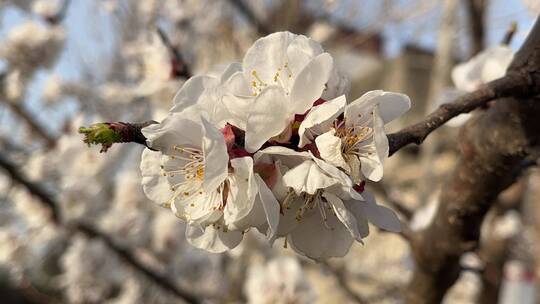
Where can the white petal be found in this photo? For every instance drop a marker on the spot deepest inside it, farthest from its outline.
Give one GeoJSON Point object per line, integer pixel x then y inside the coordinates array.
{"type": "Point", "coordinates": [215, 156]}
{"type": "Point", "coordinates": [378, 215]}
{"type": "Point", "coordinates": [232, 69]}
{"type": "Point", "coordinates": [337, 85]}
{"type": "Point", "coordinates": [155, 185]}
{"type": "Point", "coordinates": [329, 147]}
{"type": "Point", "coordinates": [211, 239]}
{"type": "Point", "coordinates": [314, 240]}
{"type": "Point", "coordinates": [354, 164]}
{"type": "Point", "coordinates": [269, 115]}
{"type": "Point", "coordinates": [488, 65]}
{"type": "Point", "coordinates": [379, 134]}
{"type": "Point", "coordinates": [371, 166]}
{"type": "Point", "coordinates": [266, 55]}
{"type": "Point", "coordinates": [175, 129]}
{"type": "Point", "coordinates": [310, 83]}
{"type": "Point", "coordinates": [391, 106]}
{"type": "Point", "coordinates": [372, 162]}
{"type": "Point", "coordinates": [198, 209]}
{"type": "Point", "coordinates": [270, 206]}
{"type": "Point", "coordinates": [334, 172]}
{"type": "Point", "coordinates": [345, 216]}
{"type": "Point", "coordinates": [300, 52]}
{"type": "Point", "coordinates": [288, 157]}
{"type": "Point", "coordinates": [319, 119]}
{"type": "Point", "coordinates": [308, 177]}
{"type": "Point", "coordinates": [497, 61]}
{"type": "Point", "coordinates": [238, 85]}
{"type": "Point", "coordinates": [242, 191]}
{"type": "Point", "coordinates": [191, 91]}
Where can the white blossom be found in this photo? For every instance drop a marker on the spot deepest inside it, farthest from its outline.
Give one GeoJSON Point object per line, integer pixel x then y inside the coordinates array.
{"type": "Point", "coordinates": [484, 67]}
{"type": "Point", "coordinates": [281, 280]}
{"type": "Point", "coordinates": [219, 198]}
{"type": "Point", "coordinates": [282, 75]}
{"type": "Point", "coordinates": [468, 76]}
{"type": "Point", "coordinates": [358, 141]}
{"type": "Point", "coordinates": [30, 46]}
{"type": "Point", "coordinates": [321, 213]}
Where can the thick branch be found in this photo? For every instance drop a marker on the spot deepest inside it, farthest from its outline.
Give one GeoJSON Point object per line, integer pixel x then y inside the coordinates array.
{"type": "Point", "coordinates": [49, 202]}
{"type": "Point", "coordinates": [494, 146]}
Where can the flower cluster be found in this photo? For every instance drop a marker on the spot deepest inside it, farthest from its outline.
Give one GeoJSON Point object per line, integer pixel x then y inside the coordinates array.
{"type": "Point", "coordinates": [272, 143]}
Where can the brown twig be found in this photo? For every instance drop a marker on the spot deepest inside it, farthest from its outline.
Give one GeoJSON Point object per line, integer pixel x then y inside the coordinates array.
{"type": "Point", "coordinates": [519, 83]}
{"type": "Point", "coordinates": [127, 256]}
{"type": "Point", "coordinates": [512, 29]}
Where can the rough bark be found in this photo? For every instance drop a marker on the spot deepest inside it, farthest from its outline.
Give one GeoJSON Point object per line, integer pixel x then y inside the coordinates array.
{"type": "Point", "coordinates": [494, 146]}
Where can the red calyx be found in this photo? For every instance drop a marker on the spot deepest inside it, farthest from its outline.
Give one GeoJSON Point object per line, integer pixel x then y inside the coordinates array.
{"type": "Point", "coordinates": [360, 187]}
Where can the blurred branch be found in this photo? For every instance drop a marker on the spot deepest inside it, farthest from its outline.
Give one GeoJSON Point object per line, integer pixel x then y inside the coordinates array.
{"type": "Point", "coordinates": [248, 13]}
{"type": "Point", "coordinates": [342, 281]}
{"type": "Point", "coordinates": [179, 66]}
{"type": "Point", "coordinates": [129, 258]}
{"type": "Point", "coordinates": [476, 14]}
{"type": "Point", "coordinates": [49, 202]}
{"type": "Point", "coordinates": [34, 188]}
{"type": "Point", "coordinates": [60, 15]}
{"type": "Point", "coordinates": [381, 189]}
{"type": "Point", "coordinates": [36, 128]}
{"type": "Point", "coordinates": [494, 146]}
{"type": "Point", "coordinates": [521, 82]}
{"type": "Point", "coordinates": [510, 32]}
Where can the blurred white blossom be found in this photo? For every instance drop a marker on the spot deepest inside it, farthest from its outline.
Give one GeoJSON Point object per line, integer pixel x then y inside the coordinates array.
{"type": "Point", "coordinates": [31, 45]}
{"type": "Point", "coordinates": [280, 280]}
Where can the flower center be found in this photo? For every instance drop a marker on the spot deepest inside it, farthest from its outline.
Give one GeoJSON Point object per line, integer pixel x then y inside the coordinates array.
{"type": "Point", "coordinates": [308, 202]}
{"type": "Point", "coordinates": [282, 77]}
{"type": "Point", "coordinates": [352, 138]}
{"type": "Point", "coordinates": [188, 167]}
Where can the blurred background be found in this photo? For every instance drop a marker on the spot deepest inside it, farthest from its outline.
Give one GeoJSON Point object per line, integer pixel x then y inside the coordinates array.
{"type": "Point", "coordinates": [75, 226]}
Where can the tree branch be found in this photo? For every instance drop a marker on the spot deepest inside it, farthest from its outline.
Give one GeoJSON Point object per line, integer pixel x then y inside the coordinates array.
{"type": "Point", "coordinates": [125, 254]}
{"type": "Point", "coordinates": [342, 281]}
{"type": "Point", "coordinates": [519, 83]}
{"type": "Point", "coordinates": [37, 129]}
{"type": "Point", "coordinates": [494, 146]}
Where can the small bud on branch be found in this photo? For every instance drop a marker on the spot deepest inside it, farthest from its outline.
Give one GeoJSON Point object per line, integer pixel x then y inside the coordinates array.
{"type": "Point", "coordinates": [108, 133]}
